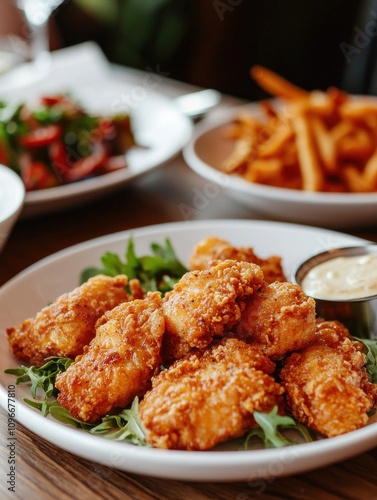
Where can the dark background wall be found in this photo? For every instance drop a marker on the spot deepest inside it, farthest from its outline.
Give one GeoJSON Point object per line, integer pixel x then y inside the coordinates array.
{"type": "Point", "coordinates": [213, 43]}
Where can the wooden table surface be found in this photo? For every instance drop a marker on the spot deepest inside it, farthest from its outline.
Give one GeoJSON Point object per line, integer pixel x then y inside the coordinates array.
{"type": "Point", "coordinates": [45, 471]}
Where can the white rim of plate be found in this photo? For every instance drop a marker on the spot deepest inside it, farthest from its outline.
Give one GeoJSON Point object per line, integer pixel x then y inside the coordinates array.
{"type": "Point", "coordinates": [12, 193]}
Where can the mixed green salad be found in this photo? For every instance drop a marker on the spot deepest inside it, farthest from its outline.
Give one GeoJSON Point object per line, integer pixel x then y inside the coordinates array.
{"type": "Point", "coordinates": [55, 141]}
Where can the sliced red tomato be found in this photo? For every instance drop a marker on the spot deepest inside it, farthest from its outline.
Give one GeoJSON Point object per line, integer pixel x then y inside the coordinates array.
{"type": "Point", "coordinates": [107, 129]}
{"type": "Point", "coordinates": [59, 158]}
{"type": "Point", "coordinates": [3, 155]}
{"type": "Point", "coordinates": [52, 100]}
{"type": "Point", "coordinates": [41, 136]}
{"type": "Point", "coordinates": [36, 175]}
{"type": "Point", "coordinates": [87, 166]}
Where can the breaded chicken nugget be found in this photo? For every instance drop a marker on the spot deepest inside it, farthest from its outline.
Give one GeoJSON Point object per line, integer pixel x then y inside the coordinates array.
{"type": "Point", "coordinates": [205, 304]}
{"type": "Point", "coordinates": [209, 397]}
{"type": "Point", "coordinates": [118, 363]}
{"type": "Point", "coordinates": [68, 324]}
{"type": "Point", "coordinates": [213, 248]}
{"type": "Point", "coordinates": [332, 333]}
{"type": "Point", "coordinates": [279, 319]}
{"type": "Point", "coordinates": [327, 386]}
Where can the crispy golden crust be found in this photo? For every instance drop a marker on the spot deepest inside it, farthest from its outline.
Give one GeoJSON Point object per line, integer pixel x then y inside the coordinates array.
{"type": "Point", "coordinates": [67, 325]}
{"type": "Point", "coordinates": [279, 318]}
{"type": "Point", "coordinates": [205, 304]}
{"type": "Point", "coordinates": [135, 288]}
{"type": "Point", "coordinates": [213, 248]}
{"type": "Point", "coordinates": [332, 332]}
{"type": "Point", "coordinates": [209, 397]}
{"type": "Point", "coordinates": [326, 384]}
{"type": "Point", "coordinates": [119, 362]}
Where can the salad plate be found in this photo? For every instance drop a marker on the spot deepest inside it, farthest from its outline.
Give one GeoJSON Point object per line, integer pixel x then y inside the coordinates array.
{"type": "Point", "coordinates": [207, 150]}
{"type": "Point", "coordinates": [160, 128]}
{"type": "Point", "coordinates": [40, 284]}
{"type": "Point", "coordinates": [160, 131]}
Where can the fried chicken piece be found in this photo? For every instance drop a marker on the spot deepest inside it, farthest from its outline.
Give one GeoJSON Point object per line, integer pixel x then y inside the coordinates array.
{"type": "Point", "coordinates": [68, 324]}
{"type": "Point", "coordinates": [279, 319]}
{"type": "Point", "coordinates": [326, 384]}
{"type": "Point", "coordinates": [135, 288]}
{"type": "Point", "coordinates": [213, 248]}
{"type": "Point", "coordinates": [209, 397]}
{"type": "Point", "coordinates": [332, 333]}
{"type": "Point", "coordinates": [118, 363]}
{"type": "Point", "coordinates": [205, 304]}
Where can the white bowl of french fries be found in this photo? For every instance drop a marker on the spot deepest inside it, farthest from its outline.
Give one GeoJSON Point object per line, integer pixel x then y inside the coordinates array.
{"type": "Point", "coordinates": [308, 157]}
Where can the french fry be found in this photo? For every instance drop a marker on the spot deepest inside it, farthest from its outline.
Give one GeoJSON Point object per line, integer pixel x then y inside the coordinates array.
{"type": "Point", "coordinates": [244, 125]}
{"type": "Point", "coordinates": [365, 180]}
{"type": "Point", "coordinates": [358, 108]}
{"type": "Point", "coordinates": [276, 142]}
{"type": "Point", "coordinates": [268, 109]}
{"type": "Point", "coordinates": [263, 171]}
{"type": "Point", "coordinates": [370, 121]}
{"type": "Point", "coordinates": [273, 172]}
{"type": "Point", "coordinates": [370, 172]}
{"type": "Point", "coordinates": [314, 141]}
{"type": "Point", "coordinates": [239, 156]}
{"type": "Point", "coordinates": [361, 182]}
{"type": "Point", "coordinates": [312, 176]}
{"type": "Point", "coordinates": [356, 146]}
{"type": "Point", "coordinates": [325, 145]}
{"type": "Point", "coordinates": [319, 103]}
{"type": "Point", "coordinates": [337, 96]}
{"type": "Point", "coordinates": [341, 130]}
{"type": "Point", "coordinates": [276, 85]}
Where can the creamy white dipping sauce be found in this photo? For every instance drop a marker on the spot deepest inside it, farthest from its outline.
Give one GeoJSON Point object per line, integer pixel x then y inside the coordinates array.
{"type": "Point", "coordinates": [342, 278]}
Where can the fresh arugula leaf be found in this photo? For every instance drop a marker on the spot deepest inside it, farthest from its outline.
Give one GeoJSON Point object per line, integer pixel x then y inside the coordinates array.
{"type": "Point", "coordinates": [132, 261]}
{"type": "Point", "coordinates": [90, 272]}
{"type": "Point", "coordinates": [160, 271]}
{"type": "Point", "coordinates": [370, 350]}
{"type": "Point", "coordinates": [167, 253]}
{"type": "Point", "coordinates": [48, 114]}
{"type": "Point", "coordinates": [125, 426]}
{"type": "Point", "coordinates": [112, 264]}
{"type": "Point", "coordinates": [62, 415]}
{"type": "Point", "coordinates": [41, 377]}
{"type": "Point", "coordinates": [268, 430]}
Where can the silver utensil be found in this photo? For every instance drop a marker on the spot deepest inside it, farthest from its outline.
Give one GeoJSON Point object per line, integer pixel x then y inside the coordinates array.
{"type": "Point", "coordinates": [197, 104]}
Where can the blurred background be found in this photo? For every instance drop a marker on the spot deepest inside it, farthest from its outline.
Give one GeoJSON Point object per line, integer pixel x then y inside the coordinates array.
{"type": "Point", "coordinates": [213, 43]}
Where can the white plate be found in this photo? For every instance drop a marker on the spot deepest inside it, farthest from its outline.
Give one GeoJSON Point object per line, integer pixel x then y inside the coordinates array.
{"type": "Point", "coordinates": [160, 128]}
{"type": "Point", "coordinates": [32, 289]}
{"type": "Point", "coordinates": [208, 148]}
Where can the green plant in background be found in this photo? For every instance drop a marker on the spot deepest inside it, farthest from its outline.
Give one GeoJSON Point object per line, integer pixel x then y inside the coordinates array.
{"type": "Point", "coordinates": [144, 32]}
{"type": "Point", "coordinates": [104, 10]}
